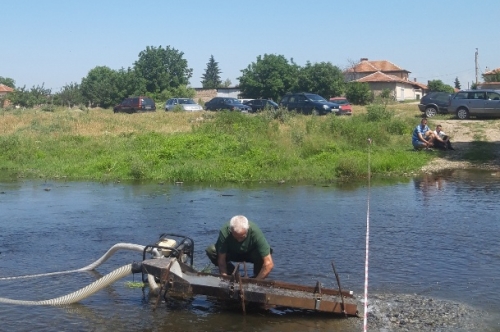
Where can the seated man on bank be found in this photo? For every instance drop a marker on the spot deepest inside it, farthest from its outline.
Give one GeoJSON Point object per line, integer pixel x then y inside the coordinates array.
{"type": "Point", "coordinates": [241, 240]}
{"type": "Point", "coordinates": [441, 140]}
{"type": "Point", "coordinates": [423, 137]}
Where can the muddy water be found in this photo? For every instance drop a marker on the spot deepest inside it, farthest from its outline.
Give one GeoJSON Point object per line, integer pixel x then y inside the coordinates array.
{"type": "Point", "coordinates": [433, 248]}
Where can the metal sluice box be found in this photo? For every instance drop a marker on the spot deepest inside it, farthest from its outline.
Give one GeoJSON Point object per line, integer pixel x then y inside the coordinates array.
{"type": "Point", "coordinates": [177, 279]}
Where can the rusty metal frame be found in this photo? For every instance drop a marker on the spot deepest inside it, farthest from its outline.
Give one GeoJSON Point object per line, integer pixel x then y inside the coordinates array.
{"type": "Point", "coordinates": [249, 290]}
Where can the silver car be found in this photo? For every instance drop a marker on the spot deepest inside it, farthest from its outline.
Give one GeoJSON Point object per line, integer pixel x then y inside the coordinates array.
{"type": "Point", "coordinates": [185, 104]}
{"type": "Point", "coordinates": [478, 103]}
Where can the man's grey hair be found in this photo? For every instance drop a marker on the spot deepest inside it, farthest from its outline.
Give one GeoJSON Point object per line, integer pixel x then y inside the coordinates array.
{"type": "Point", "coordinates": [239, 224]}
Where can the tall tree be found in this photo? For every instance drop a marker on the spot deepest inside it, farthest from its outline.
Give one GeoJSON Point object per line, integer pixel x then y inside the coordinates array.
{"type": "Point", "coordinates": [8, 81]}
{"type": "Point", "coordinates": [457, 83]}
{"type": "Point", "coordinates": [162, 68]}
{"type": "Point", "coordinates": [322, 78]}
{"type": "Point", "coordinates": [99, 87]}
{"type": "Point", "coordinates": [211, 77]}
{"type": "Point", "coordinates": [271, 76]}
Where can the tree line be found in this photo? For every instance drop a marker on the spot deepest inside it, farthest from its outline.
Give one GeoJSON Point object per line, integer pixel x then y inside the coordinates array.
{"type": "Point", "coordinates": [162, 73]}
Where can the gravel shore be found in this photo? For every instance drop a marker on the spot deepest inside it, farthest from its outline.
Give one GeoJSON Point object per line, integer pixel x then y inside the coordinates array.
{"type": "Point", "coordinates": [463, 133]}
{"type": "Point", "coordinates": [411, 312]}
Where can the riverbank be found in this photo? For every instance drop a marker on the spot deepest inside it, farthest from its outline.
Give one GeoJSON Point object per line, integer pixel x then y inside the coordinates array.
{"type": "Point", "coordinates": [225, 146]}
{"type": "Point", "coordinates": [476, 143]}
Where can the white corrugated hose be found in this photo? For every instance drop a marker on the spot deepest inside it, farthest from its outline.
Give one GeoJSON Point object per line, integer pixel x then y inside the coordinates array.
{"type": "Point", "coordinates": [93, 287]}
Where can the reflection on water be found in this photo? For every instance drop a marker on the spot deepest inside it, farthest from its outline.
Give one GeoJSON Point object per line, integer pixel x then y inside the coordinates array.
{"type": "Point", "coordinates": [433, 236]}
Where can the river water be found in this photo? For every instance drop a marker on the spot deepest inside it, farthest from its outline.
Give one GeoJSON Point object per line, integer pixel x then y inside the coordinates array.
{"type": "Point", "coordinates": [432, 238]}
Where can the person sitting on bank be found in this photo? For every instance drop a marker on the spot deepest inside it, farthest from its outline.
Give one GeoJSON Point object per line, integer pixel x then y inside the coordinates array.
{"type": "Point", "coordinates": [423, 137]}
{"type": "Point", "coordinates": [241, 240]}
{"type": "Point", "coordinates": [441, 140]}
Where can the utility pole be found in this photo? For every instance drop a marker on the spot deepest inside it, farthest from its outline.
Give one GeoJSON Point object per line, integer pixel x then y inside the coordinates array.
{"type": "Point", "coordinates": [477, 53]}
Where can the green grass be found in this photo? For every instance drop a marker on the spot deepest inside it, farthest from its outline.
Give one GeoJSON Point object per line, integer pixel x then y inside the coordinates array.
{"type": "Point", "coordinates": [207, 146]}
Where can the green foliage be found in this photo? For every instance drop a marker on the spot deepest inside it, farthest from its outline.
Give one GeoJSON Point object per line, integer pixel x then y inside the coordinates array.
{"type": "Point", "coordinates": [162, 68]}
{"type": "Point", "coordinates": [457, 83]}
{"type": "Point", "coordinates": [473, 86]}
{"type": "Point", "coordinates": [322, 78]}
{"type": "Point", "coordinates": [270, 77]}
{"type": "Point", "coordinates": [182, 91]}
{"type": "Point", "coordinates": [99, 87]}
{"type": "Point", "coordinates": [439, 86]}
{"type": "Point", "coordinates": [358, 93]}
{"type": "Point", "coordinates": [8, 82]}
{"type": "Point", "coordinates": [281, 114]}
{"type": "Point", "coordinates": [70, 95]}
{"type": "Point", "coordinates": [227, 146]}
{"type": "Point", "coordinates": [211, 78]}
{"type": "Point", "coordinates": [378, 112]}
{"type": "Point", "coordinates": [36, 96]}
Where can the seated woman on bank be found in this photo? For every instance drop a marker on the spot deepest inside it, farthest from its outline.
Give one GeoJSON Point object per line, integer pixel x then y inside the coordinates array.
{"type": "Point", "coordinates": [441, 140]}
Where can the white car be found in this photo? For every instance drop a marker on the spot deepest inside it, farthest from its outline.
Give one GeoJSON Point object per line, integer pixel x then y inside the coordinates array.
{"type": "Point", "coordinates": [186, 104]}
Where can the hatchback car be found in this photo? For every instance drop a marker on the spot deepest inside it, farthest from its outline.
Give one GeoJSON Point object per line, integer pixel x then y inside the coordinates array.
{"type": "Point", "coordinates": [258, 105]}
{"type": "Point", "coordinates": [345, 105]}
{"type": "Point", "coordinates": [226, 103]}
{"type": "Point", "coordinates": [309, 103]}
{"type": "Point", "coordinates": [434, 103]}
{"type": "Point", "coordinates": [135, 104]}
{"type": "Point", "coordinates": [185, 104]}
{"type": "Point", "coordinates": [467, 103]}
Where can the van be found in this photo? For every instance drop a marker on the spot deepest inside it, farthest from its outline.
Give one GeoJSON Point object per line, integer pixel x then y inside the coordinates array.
{"type": "Point", "coordinates": [135, 104]}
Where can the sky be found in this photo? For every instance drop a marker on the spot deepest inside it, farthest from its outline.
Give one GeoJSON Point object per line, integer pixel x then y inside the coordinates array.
{"type": "Point", "coordinates": [57, 42]}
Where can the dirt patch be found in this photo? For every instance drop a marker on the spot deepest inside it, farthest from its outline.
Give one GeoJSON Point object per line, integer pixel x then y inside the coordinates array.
{"type": "Point", "coordinates": [463, 133]}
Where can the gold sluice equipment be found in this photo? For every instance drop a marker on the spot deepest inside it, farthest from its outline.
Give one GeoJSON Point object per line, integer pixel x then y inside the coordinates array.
{"type": "Point", "coordinates": [178, 279]}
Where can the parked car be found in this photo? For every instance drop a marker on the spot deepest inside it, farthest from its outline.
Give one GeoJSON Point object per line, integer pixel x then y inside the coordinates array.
{"type": "Point", "coordinates": [345, 105]}
{"type": "Point", "coordinates": [260, 104]}
{"type": "Point", "coordinates": [434, 103]}
{"type": "Point", "coordinates": [135, 104]}
{"type": "Point", "coordinates": [226, 103]}
{"type": "Point", "coordinates": [244, 100]}
{"type": "Point", "coordinates": [478, 103]}
{"type": "Point", "coordinates": [309, 103]}
{"type": "Point", "coordinates": [185, 104]}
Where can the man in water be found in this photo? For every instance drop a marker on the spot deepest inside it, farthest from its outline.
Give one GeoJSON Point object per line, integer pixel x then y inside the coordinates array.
{"type": "Point", "coordinates": [241, 240]}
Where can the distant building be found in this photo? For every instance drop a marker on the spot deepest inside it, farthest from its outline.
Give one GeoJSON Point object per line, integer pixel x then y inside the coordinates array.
{"type": "Point", "coordinates": [207, 94]}
{"type": "Point", "coordinates": [384, 75]}
{"type": "Point", "coordinates": [4, 91]}
{"type": "Point", "coordinates": [491, 84]}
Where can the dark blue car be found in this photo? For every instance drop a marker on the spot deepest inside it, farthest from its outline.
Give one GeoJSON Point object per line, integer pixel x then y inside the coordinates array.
{"type": "Point", "coordinates": [309, 103]}
{"type": "Point", "coordinates": [226, 103]}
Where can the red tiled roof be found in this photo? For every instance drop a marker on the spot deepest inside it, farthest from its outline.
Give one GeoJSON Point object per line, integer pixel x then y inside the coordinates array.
{"type": "Point", "coordinates": [5, 88]}
{"type": "Point", "coordinates": [381, 77]}
{"type": "Point", "coordinates": [492, 72]}
{"type": "Point", "coordinates": [366, 66]}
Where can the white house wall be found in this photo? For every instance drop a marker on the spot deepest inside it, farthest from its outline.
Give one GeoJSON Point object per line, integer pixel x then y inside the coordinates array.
{"type": "Point", "coordinates": [400, 91]}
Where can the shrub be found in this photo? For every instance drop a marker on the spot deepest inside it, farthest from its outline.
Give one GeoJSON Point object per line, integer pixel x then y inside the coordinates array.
{"type": "Point", "coordinates": [378, 112]}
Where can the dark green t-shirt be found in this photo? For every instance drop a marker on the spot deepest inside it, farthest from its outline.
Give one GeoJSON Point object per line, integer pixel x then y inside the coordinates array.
{"type": "Point", "coordinates": [255, 240]}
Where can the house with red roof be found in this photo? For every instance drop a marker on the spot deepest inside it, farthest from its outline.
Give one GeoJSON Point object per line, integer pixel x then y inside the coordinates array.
{"type": "Point", "coordinates": [491, 80]}
{"type": "Point", "coordinates": [4, 90]}
{"type": "Point", "coordinates": [384, 75]}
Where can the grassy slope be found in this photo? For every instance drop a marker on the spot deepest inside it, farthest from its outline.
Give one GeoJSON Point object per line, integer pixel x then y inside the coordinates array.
{"type": "Point", "coordinates": [207, 146]}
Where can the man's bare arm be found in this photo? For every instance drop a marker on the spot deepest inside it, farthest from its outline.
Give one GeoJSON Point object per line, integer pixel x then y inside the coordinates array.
{"type": "Point", "coordinates": [221, 262]}
{"type": "Point", "coordinates": [267, 266]}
